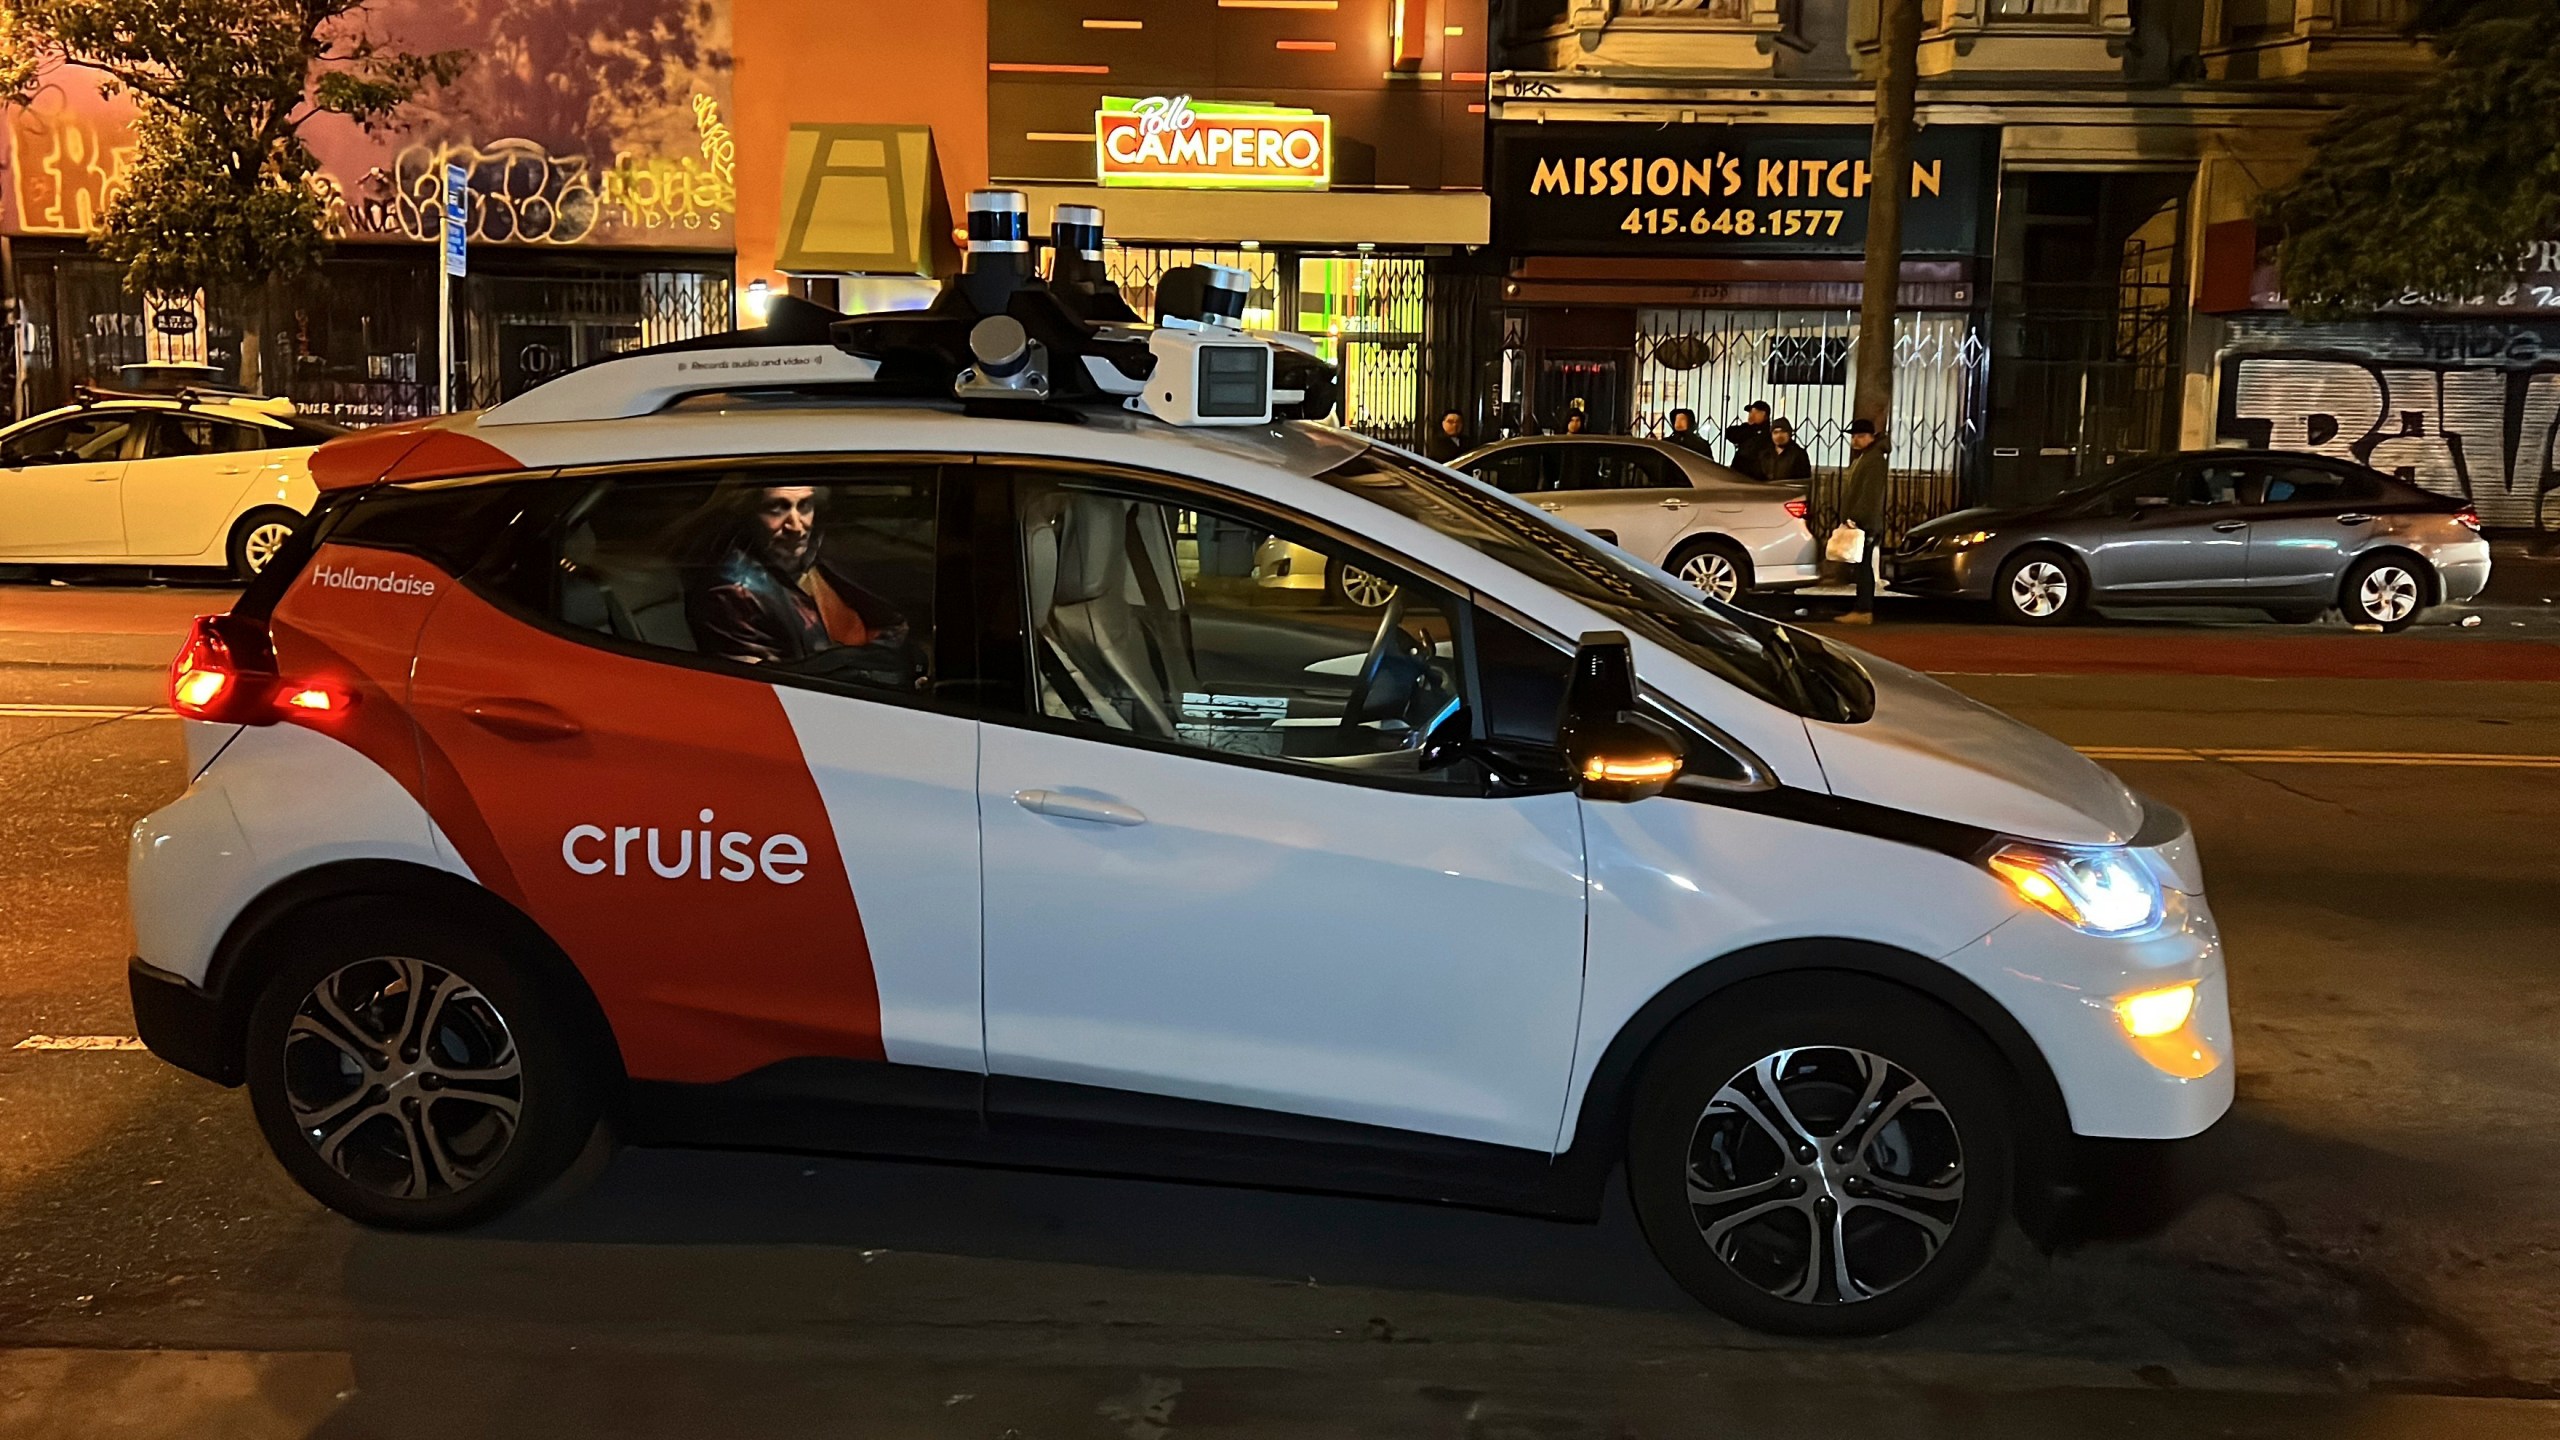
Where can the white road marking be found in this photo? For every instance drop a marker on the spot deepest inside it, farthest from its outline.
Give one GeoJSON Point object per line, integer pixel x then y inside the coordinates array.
{"type": "Point", "coordinates": [2451, 760]}
{"type": "Point", "coordinates": [79, 1042]}
{"type": "Point", "coordinates": [86, 712]}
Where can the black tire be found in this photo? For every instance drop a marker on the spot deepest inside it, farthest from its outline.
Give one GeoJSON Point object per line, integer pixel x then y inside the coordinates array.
{"type": "Point", "coordinates": [2390, 590]}
{"type": "Point", "coordinates": [2045, 569]}
{"type": "Point", "coordinates": [1825, 1029]}
{"type": "Point", "coordinates": [1703, 553]}
{"type": "Point", "coordinates": [1356, 588]}
{"type": "Point", "coordinates": [302, 1085]}
{"type": "Point", "coordinates": [255, 538]}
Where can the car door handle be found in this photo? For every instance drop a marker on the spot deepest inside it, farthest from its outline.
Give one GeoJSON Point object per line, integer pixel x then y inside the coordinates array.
{"type": "Point", "coordinates": [1077, 807]}
{"type": "Point", "coordinates": [2354, 519]}
{"type": "Point", "coordinates": [1675, 503]}
{"type": "Point", "coordinates": [2227, 526]}
{"type": "Point", "coordinates": [521, 719]}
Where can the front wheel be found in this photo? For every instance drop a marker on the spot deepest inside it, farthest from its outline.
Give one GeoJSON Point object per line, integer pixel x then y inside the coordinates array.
{"type": "Point", "coordinates": [2387, 591]}
{"type": "Point", "coordinates": [257, 538]}
{"type": "Point", "coordinates": [412, 1075]}
{"type": "Point", "coordinates": [1827, 1159]}
{"type": "Point", "coordinates": [2038, 587]}
{"type": "Point", "coordinates": [1715, 568]}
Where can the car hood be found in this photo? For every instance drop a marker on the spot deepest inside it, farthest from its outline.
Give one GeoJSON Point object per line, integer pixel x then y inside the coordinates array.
{"type": "Point", "coordinates": [1983, 517]}
{"type": "Point", "coordinates": [1934, 752]}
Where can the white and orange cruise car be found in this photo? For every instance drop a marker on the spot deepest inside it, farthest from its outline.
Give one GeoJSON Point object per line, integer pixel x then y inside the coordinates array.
{"type": "Point", "coordinates": [870, 735]}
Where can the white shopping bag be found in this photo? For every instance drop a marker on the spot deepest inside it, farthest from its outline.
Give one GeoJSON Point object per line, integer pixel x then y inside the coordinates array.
{"type": "Point", "coordinates": [1848, 544]}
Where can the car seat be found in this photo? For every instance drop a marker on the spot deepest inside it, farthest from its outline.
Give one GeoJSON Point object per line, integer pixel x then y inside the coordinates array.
{"type": "Point", "coordinates": [1106, 598]}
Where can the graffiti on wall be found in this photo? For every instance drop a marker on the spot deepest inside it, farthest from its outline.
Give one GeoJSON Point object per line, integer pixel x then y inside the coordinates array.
{"type": "Point", "coordinates": [65, 164]}
{"type": "Point", "coordinates": [2472, 414]}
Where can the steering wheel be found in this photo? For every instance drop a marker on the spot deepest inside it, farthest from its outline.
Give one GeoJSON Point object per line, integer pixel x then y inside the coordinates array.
{"type": "Point", "coordinates": [1374, 664]}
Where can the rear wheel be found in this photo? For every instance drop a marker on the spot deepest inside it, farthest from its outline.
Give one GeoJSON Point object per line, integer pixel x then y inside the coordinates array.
{"type": "Point", "coordinates": [2039, 587]}
{"type": "Point", "coordinates": [411, 1074]}
{"type": "Point", "coordinates": [257, 538]}
{"type": "Point", "coordinates": [2386, 590]}
{"type": "Point", "coordinates": [1715, 567]}
{"type": "Point", "coordinates": [1821, 1160]}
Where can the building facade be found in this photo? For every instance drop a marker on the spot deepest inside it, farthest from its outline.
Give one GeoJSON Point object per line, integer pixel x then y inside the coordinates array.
{"type": "Point", "coordinates": [1679, 189]}
{"type": "Point", "coordinates": [601, 201]}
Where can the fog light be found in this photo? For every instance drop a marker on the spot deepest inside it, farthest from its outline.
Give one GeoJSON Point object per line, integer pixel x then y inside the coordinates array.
{"type": "Point", "coordinates": [2156, 1012]}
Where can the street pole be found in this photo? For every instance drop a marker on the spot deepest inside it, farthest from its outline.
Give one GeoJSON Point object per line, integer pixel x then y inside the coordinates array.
{"type": "Point", "coordinates": [1889, 184]}
{"type": "Point", "coordinates": [453, 241]}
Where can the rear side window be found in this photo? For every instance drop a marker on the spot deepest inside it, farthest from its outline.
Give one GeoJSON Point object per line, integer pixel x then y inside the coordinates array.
{"type": "Point", "coordinates": [2314, 485]}
{"type": "Point", "coordinates": [180, 435]}
{"type": "Point", "coordinates": [1522, 471]}
{"type": "Point", "coordinates": [1613, 467]}
{"type": "Point", "coordinates": [826, 573]}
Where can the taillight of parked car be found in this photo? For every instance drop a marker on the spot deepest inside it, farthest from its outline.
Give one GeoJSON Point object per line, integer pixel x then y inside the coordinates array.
{"type": "Point", "coordinates": [1796, 508]}
{"type": "Point", "coordinates": [2468, 517]}
{"type": "Point", "coordinates": [226, 673]}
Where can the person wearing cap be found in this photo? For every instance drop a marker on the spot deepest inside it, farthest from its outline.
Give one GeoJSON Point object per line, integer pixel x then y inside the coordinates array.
{"type": "Point", "coordinates": [1750, 437]}
{"type": "Point", "coordinates": [1784, 460]}
{"type": "Point", "coordinates": [1862, 496]}
{"type": "Point", "coordinates": [1448, 439]}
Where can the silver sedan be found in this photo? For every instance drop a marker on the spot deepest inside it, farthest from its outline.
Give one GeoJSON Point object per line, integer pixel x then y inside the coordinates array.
{"type": "Point", "coordinates": [2293, 535]}
{"type": "Point", "coordinates": [1706, 523]}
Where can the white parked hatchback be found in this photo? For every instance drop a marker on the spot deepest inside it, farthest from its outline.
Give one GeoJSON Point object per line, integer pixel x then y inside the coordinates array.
{"type": "Point", "coordinates": [201, 478]}
{"type": "Point", "coordinates": [870, 735]}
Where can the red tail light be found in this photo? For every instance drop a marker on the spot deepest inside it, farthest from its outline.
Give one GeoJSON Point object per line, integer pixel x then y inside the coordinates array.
{"type": "Point", "coordinates": [2468, 516]}
{"type": "Point", "coordinates": [1796, 508]}
{"type": "Point", "coordinates": [226, 673]}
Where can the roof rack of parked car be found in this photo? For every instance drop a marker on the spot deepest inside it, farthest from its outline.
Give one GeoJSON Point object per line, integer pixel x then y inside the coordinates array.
{"type": "Point", "coordinates": [185, 396]}
{"type": "Point", "coordinates": [1001, 337]}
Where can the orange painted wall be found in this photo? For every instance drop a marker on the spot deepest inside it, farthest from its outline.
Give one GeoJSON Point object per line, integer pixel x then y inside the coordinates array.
{"type": "Point", "coordinates": [874, 62]}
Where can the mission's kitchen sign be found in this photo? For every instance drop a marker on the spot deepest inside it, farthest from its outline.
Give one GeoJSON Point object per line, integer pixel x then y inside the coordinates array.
{"type": "Point", "coordinates": [1730, 190]}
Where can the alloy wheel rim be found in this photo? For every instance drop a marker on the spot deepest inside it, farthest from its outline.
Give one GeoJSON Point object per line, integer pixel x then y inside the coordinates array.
{"type": "Point", "coordinates": [263, 544]}
{"type": "Point", "coordinates": [2040, 588]}
{"type": "Point", "coordinates": [403, 1077]}
{"type": "Point", "coordinates": [1366, 590]}
{"type": "Point", "coordinates": [1711, 574]}
{"type": "Point", "coordinates": [2389, 594]}
{"type": "Point", "coordinates": [1825, 1175]}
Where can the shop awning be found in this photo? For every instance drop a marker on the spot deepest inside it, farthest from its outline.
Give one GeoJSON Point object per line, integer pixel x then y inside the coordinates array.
{"type": "Point", "coordinates": [1322, 217]}
{"type": "Point", "coordinates": [859, 199]}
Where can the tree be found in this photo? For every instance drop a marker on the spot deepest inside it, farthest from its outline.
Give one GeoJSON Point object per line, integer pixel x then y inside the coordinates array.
{"type": "Point", "coordinates": [1889, 184]}
{"type": "Point", "coordinates": [221, 195]}
{"type": "Point", "coordinates": [2439, 191]}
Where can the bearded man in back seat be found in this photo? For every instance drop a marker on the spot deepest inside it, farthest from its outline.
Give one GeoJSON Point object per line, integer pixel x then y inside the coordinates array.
{"type": "Point", "coordinates": [767, 599]}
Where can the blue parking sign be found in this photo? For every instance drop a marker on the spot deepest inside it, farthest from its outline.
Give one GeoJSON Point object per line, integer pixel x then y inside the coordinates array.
{"type": "Point", "coordinates": [456, 220]}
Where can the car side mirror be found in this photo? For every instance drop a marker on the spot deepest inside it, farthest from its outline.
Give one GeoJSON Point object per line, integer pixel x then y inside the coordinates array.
{"type": "Point", "coordinates": [1615, 751]}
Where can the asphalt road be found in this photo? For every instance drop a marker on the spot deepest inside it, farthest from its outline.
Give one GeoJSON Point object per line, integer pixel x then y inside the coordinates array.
{"type": "Point", "coordinates": [2370, 1245]}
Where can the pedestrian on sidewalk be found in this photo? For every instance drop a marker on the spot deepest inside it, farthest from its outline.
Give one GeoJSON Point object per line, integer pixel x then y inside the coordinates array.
{"type": "Point", "coordinates": [1448, 439]}
{"type": "Point", "coordinates": [1862, 503]}
{"type": "Point", "coordinates": [1684, 433]}
{"type": "Point", "coordinates": [1784, 460]}
{"type": "Point", "coordinates": [1750, 437]}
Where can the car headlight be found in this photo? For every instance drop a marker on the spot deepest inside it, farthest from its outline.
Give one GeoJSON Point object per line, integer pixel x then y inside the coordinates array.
{"type": "Point", "coordinates": [2101, 892]}
{"type": "Point", "coordinates": [1967, 540]}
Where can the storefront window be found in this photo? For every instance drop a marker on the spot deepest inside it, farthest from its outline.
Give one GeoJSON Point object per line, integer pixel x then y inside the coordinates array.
{"type": "Point", "coordinates": [1365, 311]}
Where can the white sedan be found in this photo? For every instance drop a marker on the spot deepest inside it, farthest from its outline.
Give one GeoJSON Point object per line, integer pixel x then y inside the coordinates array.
{"type": "Point", "coordinates": [192, 479]}
{"type": "Point", "coordinates": [1710, 525]}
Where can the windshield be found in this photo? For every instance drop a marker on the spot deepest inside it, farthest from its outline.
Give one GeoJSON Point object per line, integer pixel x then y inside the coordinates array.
{"type": "Point", "coordinates": [1786, 668]}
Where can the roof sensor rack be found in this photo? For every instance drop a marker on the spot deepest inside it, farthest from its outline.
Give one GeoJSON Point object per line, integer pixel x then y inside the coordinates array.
{"type": "Point", "coordinates": [999, 337]}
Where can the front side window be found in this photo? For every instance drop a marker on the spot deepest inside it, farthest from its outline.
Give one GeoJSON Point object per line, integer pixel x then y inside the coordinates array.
{"type": "Point", "coordinates": [74, 440]}
{"type": "Point", "coordinates": [824, 573]}
{"type": "Point", "coordinates": [1216, 629]}
{"type": "Point", "coordinates": [2215, 483]}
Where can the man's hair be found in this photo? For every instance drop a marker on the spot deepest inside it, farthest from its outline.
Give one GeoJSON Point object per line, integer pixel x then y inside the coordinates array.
{"type": "Point", "coordinates": [1453, 414]}
{"type": "Point", "coordinates": [1684, 410]}
{"type": "Point", "coordinates": [1760, 405]}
